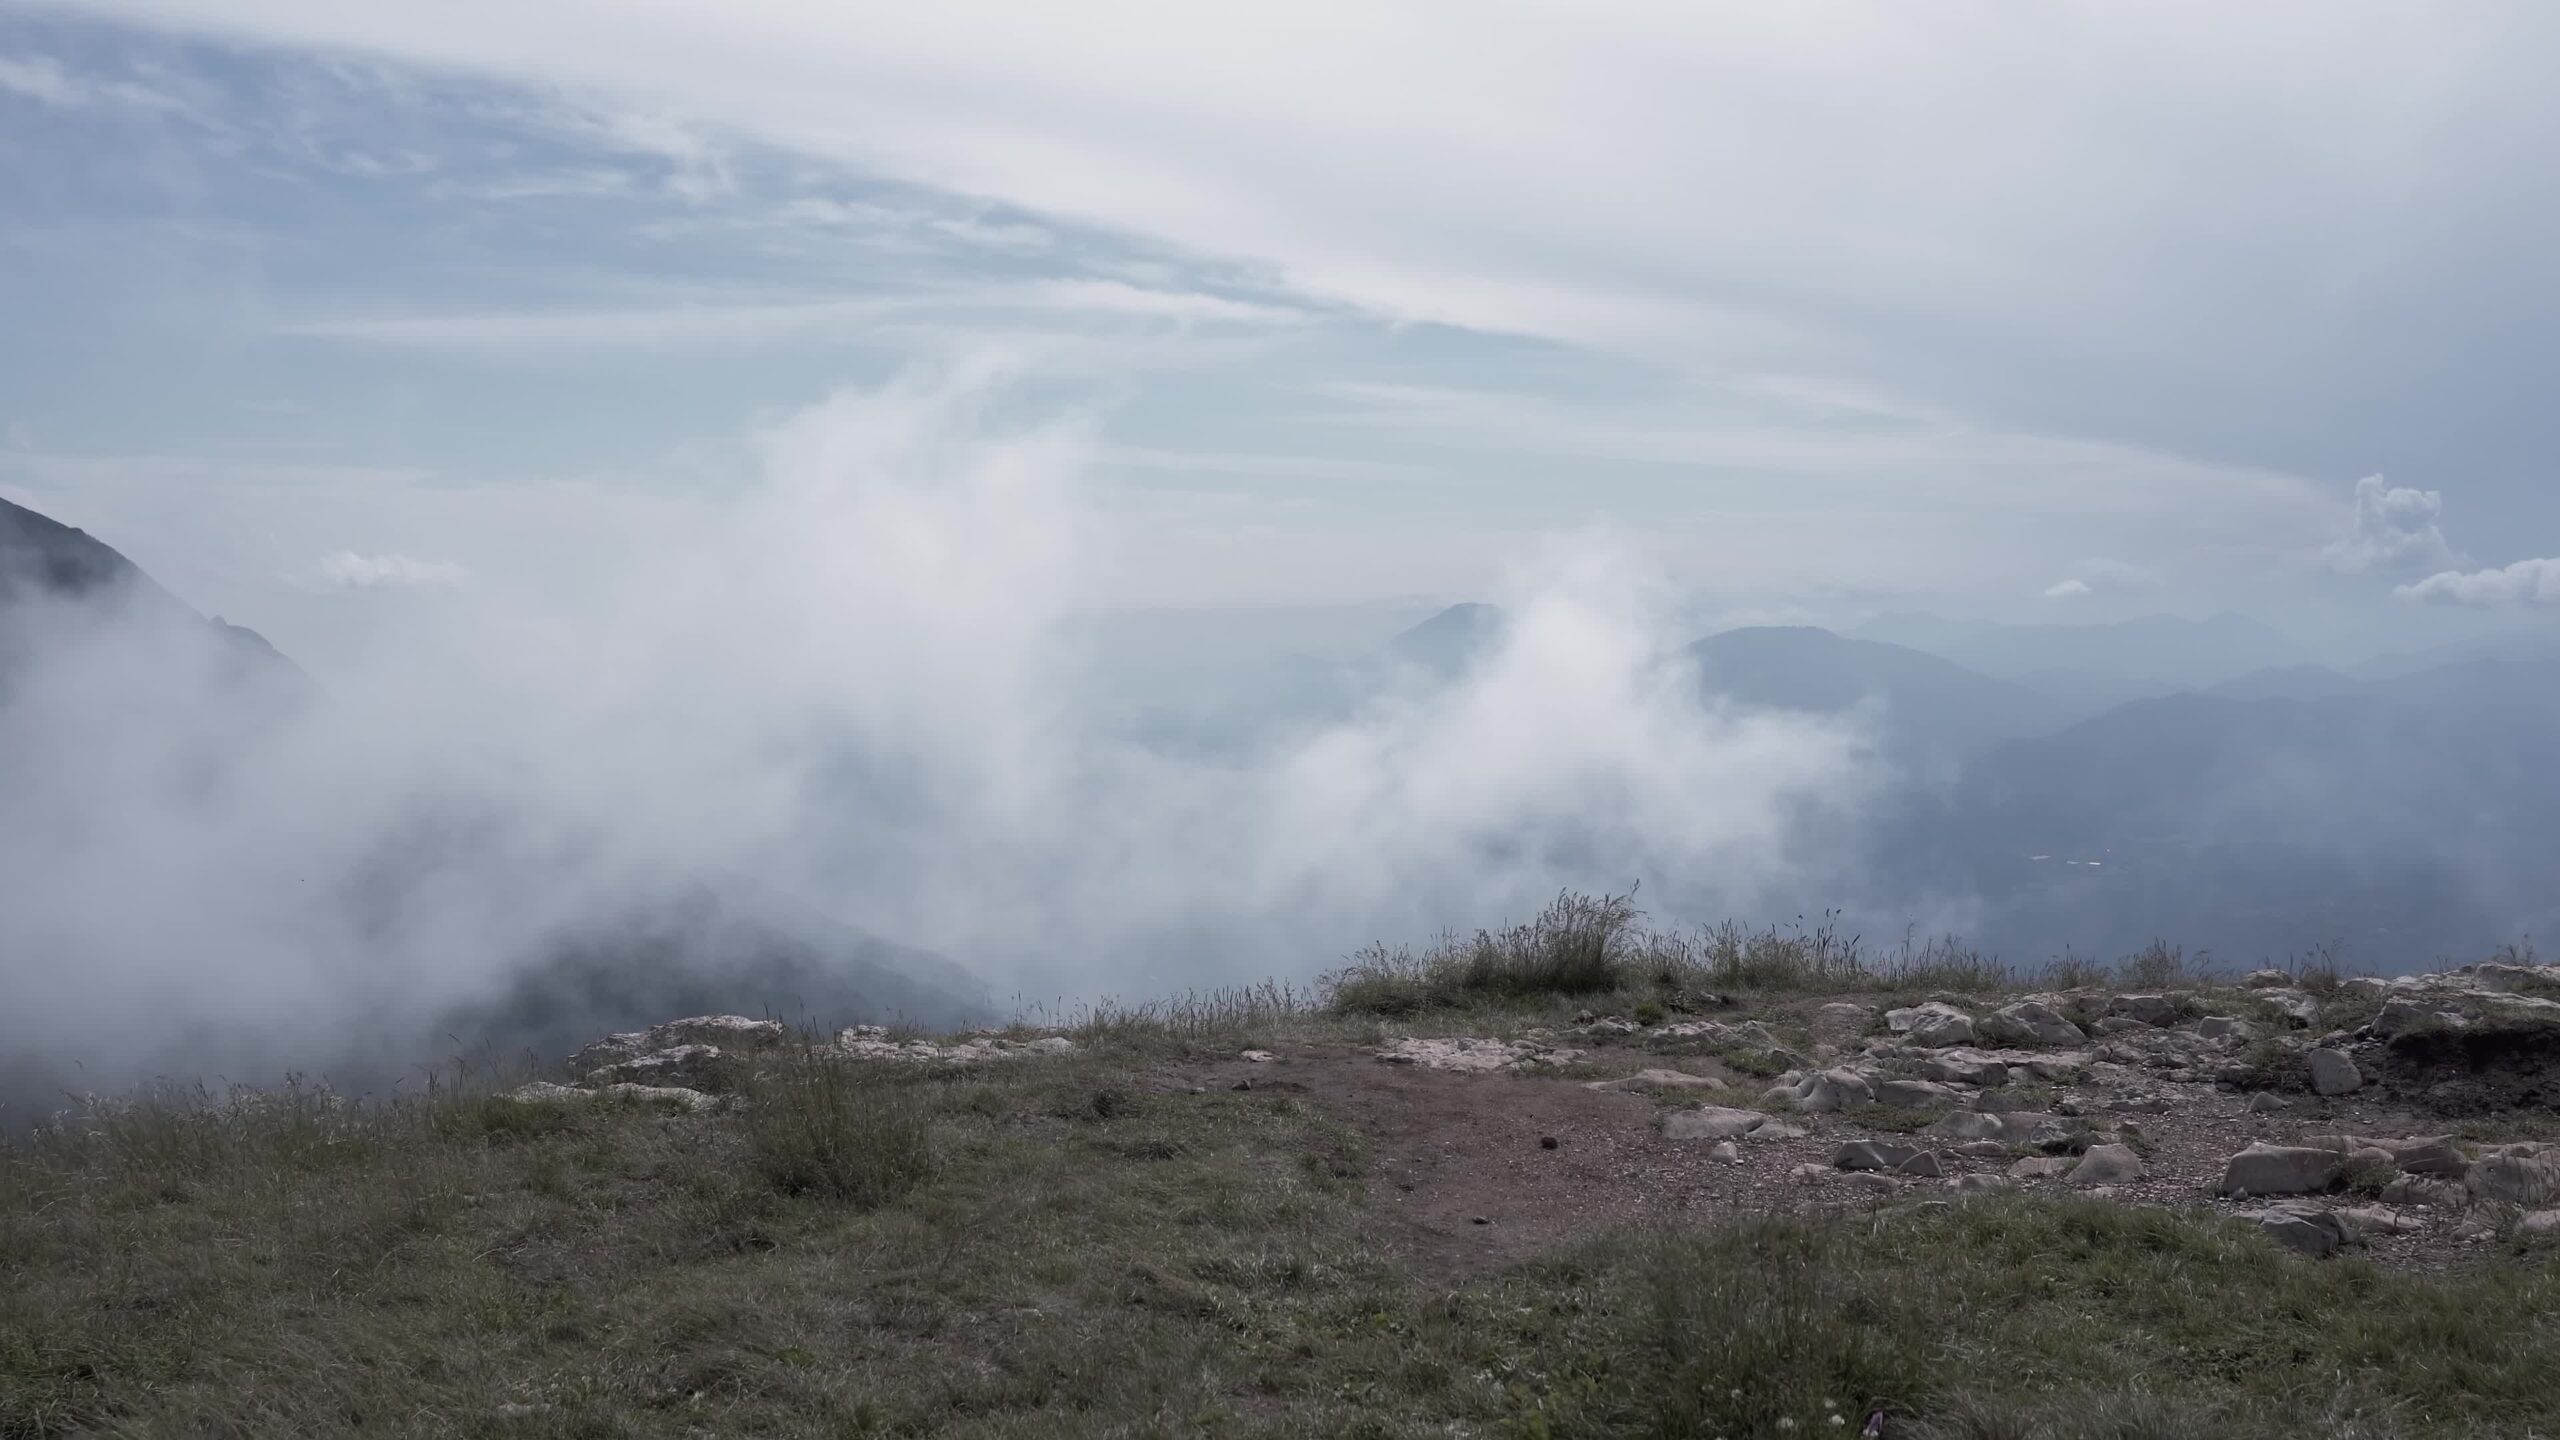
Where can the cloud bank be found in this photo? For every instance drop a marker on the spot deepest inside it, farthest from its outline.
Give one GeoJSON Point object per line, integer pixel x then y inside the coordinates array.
{"type": "Point", "coordinates": [2526, 582]}
{"type": "Point", "coordinates": [856, 685]}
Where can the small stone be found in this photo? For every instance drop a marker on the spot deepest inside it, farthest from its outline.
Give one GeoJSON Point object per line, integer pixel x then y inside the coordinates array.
{"type": "Point", "coordinates": [1711, 1122]}
{"type": "Point", "coordinates": [2365, 1222]}
{"type": "Point", "coordinates": [1887, 1155]}
{"type": "Point", "coordinates": [2265, 1169]}
{"type": "Point", "coordinates": [2154, 1010]}
{"type": "Point", "coordinates": [2030, 1022]}
{"type": "Point", "coordinates": [1657, 1080]}
{"type": "Point", "coordinates": [1934, 1025]}
{"type": "Point", "coordinates": [1914, 1094]}
{"type": "Point", "coordinates": [2312, 1232]}
{"type": "Point", "coordinates": [1546, 1142]}
{"type": "Point", "coordinates": [1727, 1152]}
{"type": "Point", "coordinates": [2332, 1073]}
{"type": "Point", "coordinates": [1482, 1220]}
{"type": "Point", "coordinates": [2108, 1165]}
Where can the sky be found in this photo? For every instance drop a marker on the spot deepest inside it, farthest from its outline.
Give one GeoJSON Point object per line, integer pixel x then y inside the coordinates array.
{"type": "Point", "coordinates": [323, 312]}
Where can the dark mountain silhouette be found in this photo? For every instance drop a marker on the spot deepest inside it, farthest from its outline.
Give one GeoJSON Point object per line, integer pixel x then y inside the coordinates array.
{"type": "Point", "coordinates": [45, 563]}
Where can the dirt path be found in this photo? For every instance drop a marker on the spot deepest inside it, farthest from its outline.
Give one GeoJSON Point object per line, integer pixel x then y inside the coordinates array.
{"type": "Point", "coordinates": [1472, 1172]}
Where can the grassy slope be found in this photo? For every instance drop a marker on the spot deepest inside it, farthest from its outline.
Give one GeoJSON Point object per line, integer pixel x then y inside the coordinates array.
{"type": "Point", "coordinates": [1079, 1247]}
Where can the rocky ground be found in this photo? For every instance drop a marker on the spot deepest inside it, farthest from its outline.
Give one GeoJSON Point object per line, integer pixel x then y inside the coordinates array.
{"type": "Point", "coordinates": [2414, 1120]}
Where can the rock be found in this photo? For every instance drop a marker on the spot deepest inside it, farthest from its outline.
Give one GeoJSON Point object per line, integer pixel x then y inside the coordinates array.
{"type": "Point", "coordinates": [1963, 1067]}
{"type": "Point", "coordinates": [694, 1062]}
{"type": "Point", "coordinates": [2265, 1169]}
{"type": "Point", "coordinates": [2153, 1010]}
{"type": "Point", "coordinates": [1656, 1081]}
{"type": "Point", "coordinates": [873, 1042]}
{"type": "Point", "coordinates": [1982, 1184]}
{"type": "Point", "coordinates": [2030, 1022]}
{"type": "Point", "coordinates": [2332, 1073]}
{"type": "Point", "coordinates": [1468, 1055]}
{"type": "Point", "coordinates": [1844, 1019]}
{"type": "Point", "coordinates": [2108, 1165]}
{"type": "Point", "coordinates": [2041, 1167]}
{"type": "Point", "coordinates": [1934, 1025]}
{"type": "Point", "coordinates": [1887, 1155]}
{"type": "Point", "coordinates": [2312, 1232]}
{"type": "Point", "coordinates": [1727, 1152]}
{"type": "Point", "coordinates": [1829, 1091]}
{"type": "Point", "coordinates": [2368, 1222]}
{"type": "Point", "coordinates": [2293, 1006]}
{"type": "Point", "coordinates": [1965, 1125]}
{"type": "Point", "coordinates": [1711, 1122]}
{"type": "Point", "coordinates": [2514, 1180]}
{"type": "Point", "coordinates": [2266, 980]}
{"type": "Point", "coordinates": [2265, 1103]}
{"type": "Point", "coordinates": [1914, 1094]}
{"type": "Point", "coordinates": [546, 1092]}
{"type": "Point", "coordinates": [737, 1032]}
{"type": "Point", "coordinates": [2421, 1190]}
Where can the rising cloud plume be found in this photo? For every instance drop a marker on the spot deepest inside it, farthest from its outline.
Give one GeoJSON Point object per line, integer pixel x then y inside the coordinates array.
{"type": "Point", "coordinates": [2395, 529]}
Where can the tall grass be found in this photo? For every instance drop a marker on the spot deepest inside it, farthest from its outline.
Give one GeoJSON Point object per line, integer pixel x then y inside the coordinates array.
{"type": "Point", "coordinates": [1584, 947]}
{"type": "Point", "coordinates": [821, 1124]}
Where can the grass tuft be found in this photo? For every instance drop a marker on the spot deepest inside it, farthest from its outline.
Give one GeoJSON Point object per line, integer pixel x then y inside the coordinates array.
{"type": "Point", "coordinates": [820, 1124]}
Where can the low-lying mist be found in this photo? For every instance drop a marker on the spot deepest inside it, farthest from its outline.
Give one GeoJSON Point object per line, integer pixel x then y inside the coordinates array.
{"type": "Point", "coordinates": [849, 700]}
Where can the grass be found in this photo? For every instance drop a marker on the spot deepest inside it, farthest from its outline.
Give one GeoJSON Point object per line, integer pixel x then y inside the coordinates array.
{"type": "Point", "coordinates": [1066, 1248]}
{"type": "Point", "coordinates": [2006, 1319]}
{"type": "Point", "coordinates": [1597, 952]}
{"type": "Point", "coordinates": [1093, 1246]}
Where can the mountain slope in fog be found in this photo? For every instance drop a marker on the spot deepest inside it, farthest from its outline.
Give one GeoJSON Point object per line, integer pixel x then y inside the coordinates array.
{"type": "Point", "coordinates": [172, 769]}
{"type": "Point", "coordinates": [2162, 650]}
{"type": "Point", "coordinates": [47, 564]}
{"type": "Point", "coordinates": [1930, 711]}
{"type": "Point", "coordinates": [2410, 821]}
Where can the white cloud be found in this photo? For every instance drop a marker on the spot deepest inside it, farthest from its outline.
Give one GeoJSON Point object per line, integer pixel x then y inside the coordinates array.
{"type": "Point", "coordinates": [2526, 582]}
{"type": "Point", "coordinates": [2104, 576]}
{"type": "Point", "coordinates": [1584, 175]}
{"type": "Point", "coordinates": [2393, 529]}
{"type": "Point", "coordinates": [853, 679]}
{"type": "Point", "coordinates": [350, 571]}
